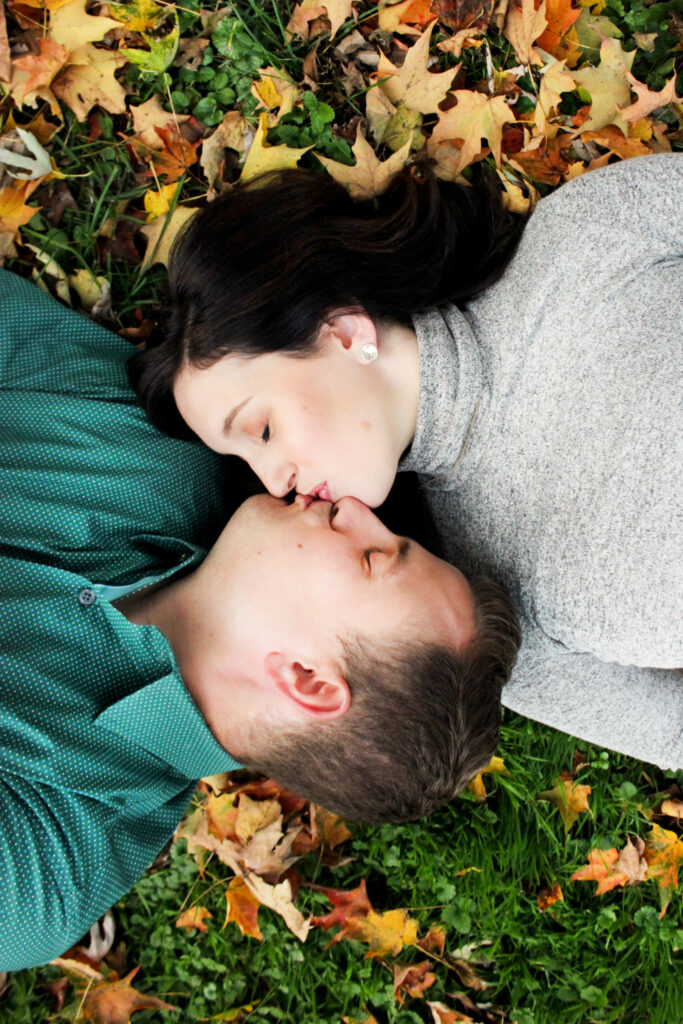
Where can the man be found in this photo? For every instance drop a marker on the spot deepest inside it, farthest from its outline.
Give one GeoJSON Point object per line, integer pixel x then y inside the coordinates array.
{"type": "Point", "coordinates": [311, 643]}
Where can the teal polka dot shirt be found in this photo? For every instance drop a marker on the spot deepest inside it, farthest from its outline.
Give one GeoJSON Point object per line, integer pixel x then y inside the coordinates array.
{"type": "Point", "coordinates": [100, 742]}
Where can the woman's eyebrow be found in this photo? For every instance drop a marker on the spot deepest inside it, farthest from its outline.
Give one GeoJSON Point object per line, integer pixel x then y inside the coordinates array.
{"type": "Point", "coordinates": [230, 418]}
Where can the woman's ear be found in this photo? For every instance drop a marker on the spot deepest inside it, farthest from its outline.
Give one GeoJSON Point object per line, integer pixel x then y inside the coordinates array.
{"type": "Point", "coordinates": [354, 332]}
{"type": "Point", "coordinates": [320, 694]}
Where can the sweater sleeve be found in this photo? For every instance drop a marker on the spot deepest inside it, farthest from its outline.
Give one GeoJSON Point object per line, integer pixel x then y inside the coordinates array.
{"type": "Point", "coordinates": [635, 711]}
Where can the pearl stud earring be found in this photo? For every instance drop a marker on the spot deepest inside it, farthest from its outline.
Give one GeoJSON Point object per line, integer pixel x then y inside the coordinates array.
{"type": "Point", "coordinates": [368, 353]}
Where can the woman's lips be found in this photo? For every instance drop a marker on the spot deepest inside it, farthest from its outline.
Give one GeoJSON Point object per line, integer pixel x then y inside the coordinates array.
{"type": "Point", "coordinates": [321, 492]}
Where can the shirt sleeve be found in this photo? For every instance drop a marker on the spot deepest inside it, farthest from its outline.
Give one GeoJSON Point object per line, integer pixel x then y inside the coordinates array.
{"type": "Point", "coordinates": [635, 711]}
{"type": "Point", "coordinates": [64, 860]}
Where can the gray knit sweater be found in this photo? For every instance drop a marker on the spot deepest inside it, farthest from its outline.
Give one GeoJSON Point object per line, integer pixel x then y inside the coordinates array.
{"type": "Point", "coordinates": [548, 443]}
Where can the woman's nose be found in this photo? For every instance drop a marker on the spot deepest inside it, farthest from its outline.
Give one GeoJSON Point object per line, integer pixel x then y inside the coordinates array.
{"type": "Point", "coordinates": [279, 479]}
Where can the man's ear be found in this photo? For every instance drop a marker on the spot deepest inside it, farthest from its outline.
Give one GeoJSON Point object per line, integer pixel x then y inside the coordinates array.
{"type": "Point", "coordinates": [321, 695]}
{"type": "Point", "coordinates": [352, 331]}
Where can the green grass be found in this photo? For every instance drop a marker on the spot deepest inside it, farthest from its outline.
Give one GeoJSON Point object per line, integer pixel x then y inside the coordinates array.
{"type": "Point", "coordinates": [606, 958]}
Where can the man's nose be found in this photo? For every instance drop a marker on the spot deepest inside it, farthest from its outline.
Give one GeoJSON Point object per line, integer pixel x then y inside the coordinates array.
{"type": "Point", "coordinates": [280, 478]}
{"type": "Point", "coordinates": [352, 516]}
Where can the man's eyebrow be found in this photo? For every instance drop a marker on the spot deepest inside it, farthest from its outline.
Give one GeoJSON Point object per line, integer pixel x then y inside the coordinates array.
{"type": "Point", "coordinates": [230, 418]}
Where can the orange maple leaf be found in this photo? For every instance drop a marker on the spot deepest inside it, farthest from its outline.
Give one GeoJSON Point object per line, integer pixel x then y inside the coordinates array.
{"type": "Point", "coordinates": [551, 894]}
{"type": "Point", "coordinates": [560, 16]}
{"type": "Point", "coordinates": [221, 815]}
{"type": "Point", "coordinates": [663, 853]}
{"type": "Point", "coordinates": [569, 797]}
{"type": "Point", "coordinates": [176, 156]}
{"type": "Point", "coordinates": [243, 908]}
{"type": "Point", "coordinates": [14, 212]}
{"type": "Point", "coordinates": [193, 917]}
{"type": "Point", "coordinates": [33, 73]}
{"type": "Point", "coordinates": [612, 869]}
{"type": "Point", "coordinates": [464, 14]}
{"type": "Point", "coordinates": [412, 980]}
{"type": "Point", "coordinates": [352, 902]}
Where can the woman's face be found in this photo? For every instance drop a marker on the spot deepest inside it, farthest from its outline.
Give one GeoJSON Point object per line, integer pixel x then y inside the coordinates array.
{"type": "Point", "coordinates": [326, 424]}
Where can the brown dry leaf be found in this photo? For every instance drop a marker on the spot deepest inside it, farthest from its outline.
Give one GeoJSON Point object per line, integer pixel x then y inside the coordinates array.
{"type": "Point", "coordinates": [386, 934]}
{"type": "Point", "coordinates": [551, 894]}
{"type": "Point", "coordinates": [523, 25]}
{"type": "Point", "coordinates": [33, 73]}
{"type": "Point", "coordinates": [663, 853]}
{"type": "Point", "coordinates": [254, 815]}
{"type": "Point", "coordinates": [194, 917]}
{"type": "Point", "coordinates": [279, 898]}
{"type": "Point", "coordinates": [270, 853]}
{"type": "Point", "coordinates": [5, 61]}
{"type": "Point", "coordinates": [461, 41]}
{"type": "Point", "coordinates": [560, 16]}
{"type": "Point", "coordinates": [443, 1015]}
{"type": "Point", "coordinates": [369, 176]}
{"type": "Point", "coordinates": [327, 829]}
{"type": "Point", "coordinates": [613, 139]}
{"type": "Point", "coordinates": [413, 980]}
{"type": "Point", "coordinates": [176, 155]}
{"type": "Point", "coordinates": [243, 908]}
{"type": "Point", "coordinates": [464, 14]}
{"type": "Point", "coordinates": [161, 234]}
{"type": "Point", "coordinates": [413, 83]}
{"type": "Point", "coordinates": [647, 99]}
{"type": "Point", "coordinates": [349, 903]}
{"type": "Point", "coordinates": [89, 81]}
{"type": "Point", "coordinates": [149, 116]}
{"type": "Point", "coordinates": [337, 11]}
{"type": "Point", "coordinates": [232, 133]}
{"type": "Point", "coordinates": [467, 975]}
{"type": "Point", "coordinates": [515, 198]}
{"type": "Point", "coordinates": [378, 112]}
{"type": "Point", "coordinates": [434, 941]}
{"type": "Point", "coordinates": [496, 766]}
{"type": "Point", "coordinates": [456, 139]}
{"type": "Point", "coordinates": [546, 161]}
{"type": "Point", "coordinates": [262, 158]}
{"type": "Point", "coordinates": [570, 798]}
{"type": "Point", "coordinates": [612, 869]}
{"type": "Point", "coordinates": [400, 17]}
{"type": "Point", "coordinates": [607, 85]}
{"type": "Point", "coordinates": [673, 808]}
{"type": "Point", "coordinates": [113, 1002]}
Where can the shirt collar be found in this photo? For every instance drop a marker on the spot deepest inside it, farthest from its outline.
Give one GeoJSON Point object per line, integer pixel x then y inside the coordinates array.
{"type": "Point", "coordinates": [162, 718]}
{"type": "Point", "coordinates": [451, 383]}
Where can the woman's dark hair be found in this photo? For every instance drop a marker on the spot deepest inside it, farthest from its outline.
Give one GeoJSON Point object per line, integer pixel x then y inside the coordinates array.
{"type": "Point", "coordinates": [264, 266]}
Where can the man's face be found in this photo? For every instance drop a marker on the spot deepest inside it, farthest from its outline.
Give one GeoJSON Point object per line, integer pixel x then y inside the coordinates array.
{"type": "Point", "coordinates": [312, 574]}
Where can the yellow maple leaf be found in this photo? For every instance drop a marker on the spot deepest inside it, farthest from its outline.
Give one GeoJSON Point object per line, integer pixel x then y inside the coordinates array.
{"type": "Point", "coordinates": [456, 139]}
{"type": "Point", "coordinates": [159, 203]}
{"type": "Point", "coordinates": [72, 27]}
{"type": "Point", "coordinates": [663, 853]}
{"type": "Point", "coordinates": [369, 176]}
{"type": "Point", "coordinates": [139, 15]}
{"type": "Point", "coordinates": [262, 158]}
{"type": "Point", "coordinates": [569, 797]}
{"type": "Point", "coordinates": [275, 90]}
{"type": "Point", "coordinates": [386, 934]}
{"type": "Point", "coordinates": [413, 83]}
{"type": "Point", "coordinates": [608, 86]}
{"type": "Point", "coordinates": [194, 917]}
{"type": "Point", "coordinates": [554, 82]}
{"type": "Point", "coordinates": [150, 115]}
{"type": "Point", "coordinates": [523, 25]}
{"type": "Point", "coordinates": [496, 766]}
{"type": "Point", "coordinates": [14, 211]}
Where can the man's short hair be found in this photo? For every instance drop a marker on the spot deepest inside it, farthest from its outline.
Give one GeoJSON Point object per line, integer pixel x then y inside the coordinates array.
{"type": "Point", "coordinates": [423, 720]}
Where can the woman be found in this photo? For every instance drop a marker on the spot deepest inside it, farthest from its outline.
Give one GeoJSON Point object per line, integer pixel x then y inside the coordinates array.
{"type": "Point", "coordinates": [540, 410]}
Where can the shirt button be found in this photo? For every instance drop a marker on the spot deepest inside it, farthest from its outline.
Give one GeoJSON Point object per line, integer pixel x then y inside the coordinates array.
{"type": "Point", "coordinates": [86, 596]}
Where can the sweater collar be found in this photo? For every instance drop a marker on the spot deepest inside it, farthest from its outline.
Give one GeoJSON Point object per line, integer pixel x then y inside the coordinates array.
{"type": "Point", "coordinates": [451, 383]}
